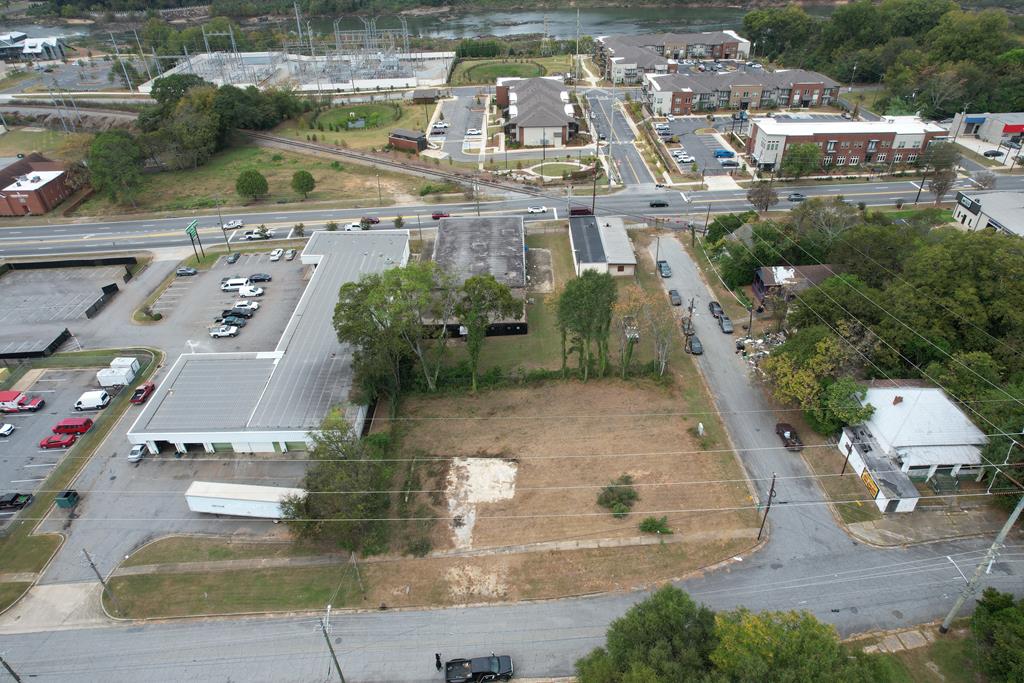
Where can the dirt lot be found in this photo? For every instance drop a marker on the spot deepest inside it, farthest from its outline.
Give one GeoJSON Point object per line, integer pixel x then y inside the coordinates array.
{"type": "Point", "coordinates": [562, 442]}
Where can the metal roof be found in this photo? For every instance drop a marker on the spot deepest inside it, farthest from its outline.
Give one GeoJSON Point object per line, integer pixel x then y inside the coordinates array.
{"type": "Point", "coordinates": [618, 248]}
{"type": "Point", "coordinates": [907, 417]}
{"type": "Point", "coordinates": [586, 240]}
{"type": "Point", "coordinates": [477, 246]}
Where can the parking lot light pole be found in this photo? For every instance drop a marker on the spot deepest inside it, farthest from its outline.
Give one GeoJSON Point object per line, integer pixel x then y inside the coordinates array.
{"type": "Point", "coordinates": [223, 231]}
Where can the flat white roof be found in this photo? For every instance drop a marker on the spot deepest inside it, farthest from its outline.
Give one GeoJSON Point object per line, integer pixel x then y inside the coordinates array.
{"type": "Point", "coordinates": [33, 180]}
{"type": "Point", "coordinates": [615, 240]}
{"type": "Point", "coordinates": [900, 125]}
{"type": "Point", "coordinates": [264, 494]}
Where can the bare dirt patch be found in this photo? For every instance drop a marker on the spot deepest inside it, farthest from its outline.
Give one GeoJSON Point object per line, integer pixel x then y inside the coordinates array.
{"type": "Point", "coordinates": [472, 481]}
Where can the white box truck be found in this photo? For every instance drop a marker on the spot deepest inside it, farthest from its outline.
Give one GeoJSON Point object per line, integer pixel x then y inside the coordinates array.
{"type": "Point", "coordinates": [126, 362]}
{"type": "Point", "coordinates": [109, 378]}
{"type": "Point", "coordinates": [93, 400]}
{"type": "Point", "coordinates": [238, 500]}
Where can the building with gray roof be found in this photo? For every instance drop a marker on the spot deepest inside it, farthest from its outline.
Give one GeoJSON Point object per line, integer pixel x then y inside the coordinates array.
{"type": "Point", "coordinates": [625, 58]}
{"type": "Point", "coordinates": [994, 128]}
{"type": "Point", "coordinates": [602, 245]}
{"type": "Point", "coordinates": [537, 111]}
{"type": "Point", "coordinates": [746, 88]}
{"type": "Point", "coordinates": [269, 401]}
{"type": "Point", "coordinates": [1003, 211]}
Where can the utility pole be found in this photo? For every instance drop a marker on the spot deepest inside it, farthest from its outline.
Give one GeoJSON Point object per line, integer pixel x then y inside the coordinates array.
{"type": "Point", "coordinates": [849, 451]}
{"type": "Point", "coordinates": [106, 589]}
{"type": "Point", "coordinates": [380, 197]}
{"type": "Point", "coordinates": [476, 195]}
{"type": "Point", "coordinates": [921, 185]}
{"type": "Point", "coordinates": [593, 193]}
{"type": "Point", "coordinates": [993, 551]}
{"type": "Point", "coordinates": [7, 666]}
{"type": "Point", "coordinates": [771, 497]}
{"type": "Point", "coordinates": [325, 625]}
{"type": "Point", "coordinates": [359, 578]}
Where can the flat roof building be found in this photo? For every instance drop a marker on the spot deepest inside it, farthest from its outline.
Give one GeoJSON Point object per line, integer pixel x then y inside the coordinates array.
{"type": "Point", "coordinates": [602, 246]}
{"type": "Point", "coordinates": [408, 140]}
{"type": "Point", "coordinates": [1003, 211]}
{"type": "Point", "coordinates": [994, 128]}
{"type": "Point", "coordinates": [269, 401]}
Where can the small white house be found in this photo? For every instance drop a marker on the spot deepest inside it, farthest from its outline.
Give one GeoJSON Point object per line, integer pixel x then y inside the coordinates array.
{"type": "Point", "coordinates": [602, 245]}
{"type": "Point", "coordinates": [915, 432]}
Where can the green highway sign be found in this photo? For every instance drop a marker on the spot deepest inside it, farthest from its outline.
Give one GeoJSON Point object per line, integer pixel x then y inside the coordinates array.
{"type": "Point", "coordinates": [191, 229]}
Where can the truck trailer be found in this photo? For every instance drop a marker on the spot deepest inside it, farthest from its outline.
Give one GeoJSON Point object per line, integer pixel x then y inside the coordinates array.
{"type": "Point", "coordinates": [238, 500]}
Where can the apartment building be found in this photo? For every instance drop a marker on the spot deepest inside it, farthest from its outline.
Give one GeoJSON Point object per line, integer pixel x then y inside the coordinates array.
{"type": "Point", "coordinates": [894, 140]}
{"type": "Point", "coordinates": [624, 59]}
{"type": "Point", "coordinates": [687, 92]}
{"type": "Point", "coordinates": [537, 111]}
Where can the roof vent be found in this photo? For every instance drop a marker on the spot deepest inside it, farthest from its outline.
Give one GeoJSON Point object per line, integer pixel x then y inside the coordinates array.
{"type": "Point", "coordinates": [897, 400]}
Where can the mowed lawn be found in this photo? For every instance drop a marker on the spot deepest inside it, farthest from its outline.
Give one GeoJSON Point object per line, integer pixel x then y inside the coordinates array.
{"type": "Point", "coordinates": [22, 140]}
{"type": "Point", "coordinates": [381, 118]}
{"type": "Point", "coordinates": [485, 71]}
{"type": "Point", "coordinates": [202, 188]}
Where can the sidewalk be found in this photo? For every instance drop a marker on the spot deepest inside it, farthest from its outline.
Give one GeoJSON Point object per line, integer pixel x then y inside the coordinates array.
{"type": "Point", "coordinates": [925, 526]}
{"type": "Point", "coordinates": [721, 182]}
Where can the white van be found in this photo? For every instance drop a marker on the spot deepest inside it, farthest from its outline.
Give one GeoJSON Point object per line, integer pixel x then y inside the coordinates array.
{"type": "Point", "coordinates": [92, 400]}
{"type": "Point", "coordinates": [234, 284]}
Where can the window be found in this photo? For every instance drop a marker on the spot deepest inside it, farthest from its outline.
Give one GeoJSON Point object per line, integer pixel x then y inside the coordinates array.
{"type": "Point", "coordinates": [827, 161]}
{"type": "Point", "coordinates": [846, 144]}
{"type": "Point", "coordinates": [885, 144]}
{"type": "Point", "coordinates": [902, 144]}
{"type": "Point", "coordinates": [872, 144]}
{"type": "Point", "coordinates": [854, 161]}
{"type": "Point", "coordinates": [831, 146]}
{"type": "Point", "coordinates": [912, 158]}
{"type": "Point", "coordinates": [621, 269]}
{"type": "Point", "coordinates": [858, 145]}
{"type": "Point", "coordinates": [897, 157]}
{"type": "Point", "coordinates": [840, 161]}
{"type": "Point", "coordinates": [880, 157]}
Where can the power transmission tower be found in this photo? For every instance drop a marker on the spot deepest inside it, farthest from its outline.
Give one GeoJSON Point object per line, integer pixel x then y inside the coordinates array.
{"type": "Point", "coordinates": [124, 68]}
{"type": "Point", "coordinates": [325, 627]}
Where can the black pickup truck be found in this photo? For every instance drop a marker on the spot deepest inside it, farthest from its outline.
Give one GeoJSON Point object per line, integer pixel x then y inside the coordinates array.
{"type": "Point", "coordinates": [493, 668]}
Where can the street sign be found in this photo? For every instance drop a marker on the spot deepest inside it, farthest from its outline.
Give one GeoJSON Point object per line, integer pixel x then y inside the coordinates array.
{"type": "Point", "coordinates": [191, 229]}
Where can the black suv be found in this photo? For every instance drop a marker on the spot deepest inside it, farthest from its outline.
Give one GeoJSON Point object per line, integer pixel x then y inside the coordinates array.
{"type": "Point", "coordinates": [237, 312]}
{"type": "Point", "coordinates": [655, 203]}
{"type": "Point", "coordinates": [493, 668]}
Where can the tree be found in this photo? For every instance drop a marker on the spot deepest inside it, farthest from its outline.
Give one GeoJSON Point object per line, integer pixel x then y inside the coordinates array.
{"type": "Point", "coordinates": [941, 183]}
{"type": "Point", "coordinates": [167, 90]}
{"type": "Point", "coordinates": [824, 219]}
{"type": "Point", "coordinates": [115, 166]}
{"type": "Point", "coordinates": [346, 490]}
{"type": "Point", "coordinates": [302, 181]}
{"type": "Point", "coordinates": [299, 230]}
{"type": "Point", "coordinates": [585, 311]}
{"type": "Point", "coordinates": [941, 155]}
{"type": "Point", "coordinates": [251, 183]}
{"type": "Point", "coordinates": [482, 300]}
{"type": "Point", "coordinates": [998, 628]}
{"type": "Point", "coordinates": [365, 223]}
{"type": "Point", "coordinates": [399, 222]}
{"type": "Point", "coordinates": [801, 159]}
{"type": "Point", "coordinates": [118, 70]}
{"type": "Point", "coordinates": [667, 637]}
{"type": "Point", "coordinates": [762, 196]}
{"type": "Point", "coordinates": [630, 307]}
{"type": "Point", "coordinates": [841, 404]}
{"type": "Point", "coordinates": [193, 128]}
{"type": "Point", "coordinates": [331, 226]}
{"type": "Point", "coordinates": [986, 180]}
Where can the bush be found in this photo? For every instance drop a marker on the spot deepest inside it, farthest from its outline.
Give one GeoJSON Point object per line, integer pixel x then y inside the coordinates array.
{"type": "Point", "coordinates": [655, 525]}
{"type": "Point", "coordinates": [330, 226]}
{"type": "Point", "coordinates": [420, 547]}
{"type": "Point", "coordinates": [619, 496]}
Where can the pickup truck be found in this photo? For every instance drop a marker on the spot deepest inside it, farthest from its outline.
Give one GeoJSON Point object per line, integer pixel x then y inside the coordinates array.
{"type": "Point", "coordinates": [224, 331]}
{"type": "Point", "coordinates": [790, 439]}
{"type": "Point", "coordinates": [18, 402]}
{"type": "Point", "coordinates": [14, 501]}
{"type": "Point", "coordinates": [493, 668]}
{"type": "Point", "coordinates": [663, 269]}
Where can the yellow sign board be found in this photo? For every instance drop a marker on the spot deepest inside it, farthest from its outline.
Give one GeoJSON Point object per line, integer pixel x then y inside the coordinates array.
{"type": "Point", "coordinates": [870, 483]}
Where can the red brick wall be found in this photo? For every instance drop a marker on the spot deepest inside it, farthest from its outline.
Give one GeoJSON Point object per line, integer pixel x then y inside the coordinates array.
{"type": "Point", "coordinates": [682, 102]}
{"type": "Point", "coordinates": [35, 202]}
{"type": "Point", "coordinates": [501, 95]}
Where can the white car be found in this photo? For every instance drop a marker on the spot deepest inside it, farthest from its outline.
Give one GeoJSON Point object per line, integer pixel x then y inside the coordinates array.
{"type": "Point", "coordinates": [231, 225]}
{"type": "Point", "coordinates": [537, 209]}
{"type": "Point", "coordinates": [6, 429]}
{"type": "Point", "coordinates": [352, 227]}
{"type": "Point", "coordinates": [138, 450]}
{"type": "Point", "coordinates": [686, 159]}
{"type": "Point", "coordinates": [441, 124]}
{"type": "Point", "coordinates": [250, 291]}
{"type": "Point", "coordinates": [224, 331]}
{"type": "Point", "coordinates": [473, 131]}
{"type": "Point", "coordinates": [276, 254]}
{"type": "Point", "coordinates": [247, 305]}
{"type": "Point", "coordinates": [669, 117]}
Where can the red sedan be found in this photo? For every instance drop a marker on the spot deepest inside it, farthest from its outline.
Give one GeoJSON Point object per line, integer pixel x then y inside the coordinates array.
{"type": "Point", "coordinates": [59, 441]}
{"type": "Point", "coordinates": [438, 215]}
{"type": "Point", "coordinates": [142, 393]}
{"type": "Point", "coordinates": [372, 220]}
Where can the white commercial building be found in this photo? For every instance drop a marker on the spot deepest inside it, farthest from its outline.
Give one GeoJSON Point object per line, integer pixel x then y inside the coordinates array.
{"type": "Point", "coordinates": [602, 245]}
{"type": "Point", "coordinates": [915, 432]}
{"type": "Point", "coordinates": [1003, 211]}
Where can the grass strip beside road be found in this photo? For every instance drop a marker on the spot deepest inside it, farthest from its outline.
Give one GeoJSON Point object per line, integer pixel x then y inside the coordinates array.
{"type": "Point", "coordinates": [204, 549]}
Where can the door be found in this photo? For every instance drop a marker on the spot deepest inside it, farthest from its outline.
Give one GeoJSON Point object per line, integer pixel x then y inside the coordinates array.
{"type": "Point", "coordinates": [891, 506]}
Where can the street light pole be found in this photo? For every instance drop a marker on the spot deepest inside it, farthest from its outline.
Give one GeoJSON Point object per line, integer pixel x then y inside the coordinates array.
{"type": "Point", "coordinates": [380, 198]}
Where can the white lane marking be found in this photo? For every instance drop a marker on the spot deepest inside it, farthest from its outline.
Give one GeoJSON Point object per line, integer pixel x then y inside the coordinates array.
{"type": "Point", "coordinates": [45, 464]}
{"type": "Point", "coordinates": [26, 481]}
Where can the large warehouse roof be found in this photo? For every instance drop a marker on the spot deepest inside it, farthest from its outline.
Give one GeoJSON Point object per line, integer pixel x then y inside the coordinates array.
{"type": "Point", "coordinates": [477, 246]}
{"type": "Point", "coordinates": [292, 388]}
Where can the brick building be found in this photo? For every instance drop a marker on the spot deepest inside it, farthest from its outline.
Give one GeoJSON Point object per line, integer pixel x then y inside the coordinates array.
{"type": "Point", "coordinates": [408, 140]}
{"type": "Point", "coordinates": [687, 92]}
{"type": "Point", "coordinates": [31, 185]}
{"type": "Point", "coordinates": [624, 59]}
{"type": "Point", "coordinates": [537, 111]}
{"type": "Point", "coordinates": [893, 141]}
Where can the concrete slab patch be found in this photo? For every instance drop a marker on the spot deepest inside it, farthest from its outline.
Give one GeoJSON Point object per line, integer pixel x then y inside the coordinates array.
{"type": "Point", "coordinates": [472, 481]}
{"type": "Point", "coordinates": [892, 644]}
{"type": "Point", "coordinates": [912, 639]}
{"type": "Point", "coordinates": [56, 607]}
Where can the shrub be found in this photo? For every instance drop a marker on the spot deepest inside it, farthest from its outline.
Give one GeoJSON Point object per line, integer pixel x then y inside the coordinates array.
{"type": "Point", "coordinates": [420, 547]}
{"type": "Point", "coordinates": [655, 525]}
{"type": "Point", "coordinates": [330, 226]}
{"type": "Point", "coordinates": [620, 510]}
{"type": "Point", "coordinates": [619, 496]}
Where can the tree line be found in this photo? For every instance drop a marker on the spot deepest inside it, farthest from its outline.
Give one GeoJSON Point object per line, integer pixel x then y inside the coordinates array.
{"type": "Point", "coordinates": [931, 55]}
{"type": "Point", "coordinates": [191, 120]}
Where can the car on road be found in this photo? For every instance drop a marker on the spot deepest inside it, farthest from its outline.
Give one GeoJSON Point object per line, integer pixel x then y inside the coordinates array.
{"type": "Point", "coordinates": [993, 153]}
{"type": "Point", "coordinates": [58, 441]}
{"type": "Point", "coordinates": [250, 291]}
{"type": "Point", "coordinates": [537, 209]}
{"type": "Point", "coordinates": [232, 257]}
{"type": "Point", "coordinates": [276, 254]}
{"type": "Point", "coordinates": [137, 452]}
{"type": "Point", "coordinates": [438, 215]}
{"type": "Point", "coordinates": [142, 393]}
{"type": "Point", "coordinates": [663, 269]}
{"type": "Point", "coordinates": [231, 321]}
{"type": "Point", "coordinates": [438, 131]}
{"type": "Point", "coordinates": [659, 185]}
{"type": "Point", "coordinates": [223, 331]}
{"type": "Point", "coordinates": [369, 220]}
{"type": "Point", "coordinates": [289, 255]}
{"type": "Point", "coordinates": [673, 296]}
{"type": "Point", "coordinates": [185, 272]}
{"type": "Point", "coordinates": [693, 345]}
{"type": "Point", "coordinates": [232, 224]}
{"type": "Point", "coordinates": [725, 323]}
{"type": "Point", "coordinates": [602, 136]}
{"type": "Point", "coordinates": [246, 305]}
{"type": "Point", "coordinates": [659, 203]}
{"type": "Point", "coordinates": [15, 501]}
{"type": "Point", "coordinates": [715, 308]}
{"type": "Point", "coordinates": [493, 668]}
{"type": "Point", "coordinates": [260, 277]}
{"type": "Point", "coordinates": [795, 197]}
{"type": "Point", "coordinates": [441, 124]}
{"type": "Point", "coordinates": [473, 131]}
{"type": "Point", "coordinates": [6, 429]}
{"type": "Point", "coordinates": [790, 439]}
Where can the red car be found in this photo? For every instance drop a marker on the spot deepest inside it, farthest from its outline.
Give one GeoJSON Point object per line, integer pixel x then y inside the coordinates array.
{"type": "Point", "coordinates": [372, 220]}
{"type": "Point", "coordinates": [59, 441]}
{"type": "Point", "coordinates": [142, 393]}
{"type": "Point", "coordinates": [438, 215]}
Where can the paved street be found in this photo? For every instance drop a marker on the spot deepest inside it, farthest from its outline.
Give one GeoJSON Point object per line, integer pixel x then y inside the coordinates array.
{"type": "Point", "coordinates": [611, 122]}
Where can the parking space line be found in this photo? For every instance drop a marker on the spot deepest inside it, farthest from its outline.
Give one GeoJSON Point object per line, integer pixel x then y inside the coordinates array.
{"type": "Point", "coordinates": [27, 481]}
{"type": "Point", "coordinates": [45, 464]}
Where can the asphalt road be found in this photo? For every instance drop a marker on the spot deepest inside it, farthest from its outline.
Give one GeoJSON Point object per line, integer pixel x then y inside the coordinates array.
{"type": "Point", "coordinates": [611, 122]}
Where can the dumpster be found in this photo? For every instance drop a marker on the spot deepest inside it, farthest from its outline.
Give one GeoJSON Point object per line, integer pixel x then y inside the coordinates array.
{"type": "Point", "coordinates": [67, 499]}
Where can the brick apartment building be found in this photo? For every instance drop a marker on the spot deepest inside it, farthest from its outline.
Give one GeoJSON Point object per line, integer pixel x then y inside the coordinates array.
{"type": "Point", "coordinates": [685, 93]}
{"type": "Point", "coordinates": [537, 111]}
{"type": "Point", "coordinates": [624, 59]}
{"type": "Point", "coordinates": [894, 140]}
{"type": "Point", "coordinates": [31, 186]}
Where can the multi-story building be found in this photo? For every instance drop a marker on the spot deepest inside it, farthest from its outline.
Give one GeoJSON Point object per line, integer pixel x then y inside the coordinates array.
{"type": "Point", "coordinates": [685, 93]}
{"type": "Point", "coordinates": [624, 59]}
{"type": "Point", "coordinates": [16, 46]}
{"type": "Point", "coordinates": [894, 140]}
{"type": "Point", "coordinates": [31, 185]}
{"type": "Point", "coordinates": [537, 111]}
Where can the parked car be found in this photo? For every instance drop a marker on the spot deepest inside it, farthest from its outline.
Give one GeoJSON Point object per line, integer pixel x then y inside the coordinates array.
{"type": "Point", "coordinates": [276, 254]}
{"type": "Point", "coordinates": [673, 296]}
{"type": "Point", "coordinates": [1011, 144]}
{"type": "Point", "coordinates": [993, 153]}
{"type": "Point", "coordinates": [232, 224]}
{"type": "Point", "coordinates": [58, 441]}
{"type": "Point", "coordinates": [142, 392]}
{"type": "Point", "coordinates": [223, 331]}
{"type": "Point", "coordinates": [473, 131]}
{"type": "Point", "coordinates": [232, 257]}
{"type": "Point", "coordinates": [247, 305]}
{"type": "Point", "coordinates": [493, 668]}
{"type": "Point", "coordinates": [137, 452]}
{"type": "Point", "coordinates": [790, 439]}
{"type": "Point", "coordinates": [237, 312]}
{"type": "Point", "coordinates": [725, 323]}
{"type": "Point", "coordinates": [231, 321]}
{"type": "Point", "coordinates": [663, 269]}
{"type": "Point", "coordinates": [669, 117]}
{"type": "Point", "coordinates": [795, 197]}
{"type": "Point", "coordinates": [260, 277]}
{"type": "Point", "coordinates": [73, 425]}
{"type": "Point", "coordinates": [6, 429]}
{"type": "Point", "coordinates": [724, 153]}
{"type": "Point", "coordinates": [715, 308]}
{"type": "Point", "coordinates": [658, 203]}
{"type": "Point", "coordinates": [372, 220]}
{"type": "Point", "coordinates": [729, 163]}
{"type": "Point", "coordinates": [250, 291]}
{"type": "Point", "coordinates": [693, 345]}
{"type": "Point", "coordinates": [438, 215]}
{"type": "Point", "coordinates": [15, 501]}
{"type": "Point", "coordinates": [537, 209]}
{"type": "Point", "coordinates": [289, 255]}
{"type": "Point", "coordinates": [185, 272]}
{"type": "Point", "coordinates": [686, 159]}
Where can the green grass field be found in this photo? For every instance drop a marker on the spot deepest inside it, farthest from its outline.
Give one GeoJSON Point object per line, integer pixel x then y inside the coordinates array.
{"type": "Point", "coordinates": [556, 168]}
{"type": "Point", "coordinates": [413, 117]}
{"type": "Point", "coordinates": [48, 142]}
{"type": "Point", "coordinates": [202, 549]}
{"type": "Point", "coordinates": [485, 71]}
{"type": "Point", "coordinates": [373, 115]}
